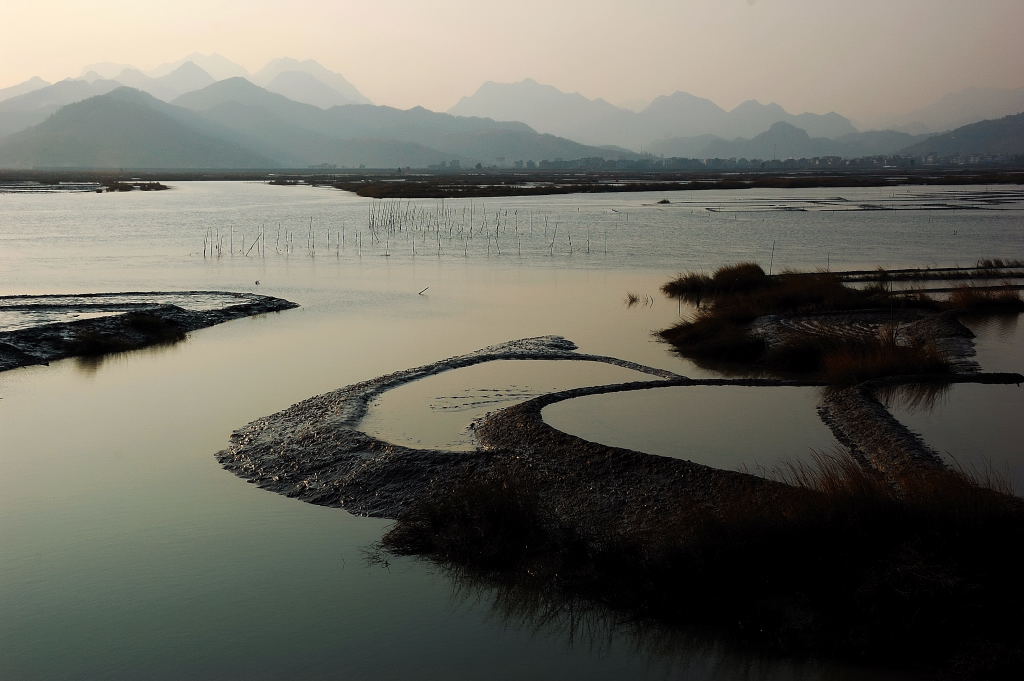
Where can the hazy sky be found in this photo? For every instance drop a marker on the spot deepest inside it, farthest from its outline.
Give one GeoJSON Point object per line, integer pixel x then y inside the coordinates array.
{"type": "Point", "coordinates": [858, 57]}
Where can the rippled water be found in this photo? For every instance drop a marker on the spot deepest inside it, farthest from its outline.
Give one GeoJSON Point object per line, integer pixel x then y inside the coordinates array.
{"type": "Point", "coordinates": [128, 552]}
{"type": "Point", "coordinates": [436, 412]}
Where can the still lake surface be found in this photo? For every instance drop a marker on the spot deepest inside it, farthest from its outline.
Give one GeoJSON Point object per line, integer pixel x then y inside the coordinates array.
{"type": "Point", "coordinates": [127, 552]}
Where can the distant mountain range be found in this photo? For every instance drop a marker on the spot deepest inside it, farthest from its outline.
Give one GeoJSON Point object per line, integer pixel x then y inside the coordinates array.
{"type": "Point", "coordinates": [308, 82]}
{"type": "Point", "coordinates": [30, 85]}
{"type": "Point", "coordinates": [956, 109]}
{"type": "Point", "coordinates": [294, 113]}
{"type": "Point", "coordinates": [1000, 136]}
{"type": "Point", "coordinates": [595, 121]}
{"type": "Point", "coordinates": [125, 128]}
{"type": "Point", "coordinates": [236, 124]}
{"type": "Point", "coordinates": [35, 106]}
{"type": "Point", "coordinates": [33, 101]}
{"type": "Point", "coordinates": [216, 65]}
{"type": "Point", "coordinates": [304, 81]}
{"type": "Point", "coordinates": [785, 140]}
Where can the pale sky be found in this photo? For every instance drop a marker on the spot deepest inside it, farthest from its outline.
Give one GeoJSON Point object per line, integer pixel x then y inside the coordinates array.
{"type": "Point", "coordinates": [859, 57]}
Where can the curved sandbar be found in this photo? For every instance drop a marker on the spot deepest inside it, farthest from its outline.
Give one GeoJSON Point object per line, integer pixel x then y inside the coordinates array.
{"type": "Point", "coordinates": [862, 423]}
{"type": "Point", "coordinates": [314, 450]}
{"type": "Point", "coordinates": [136, 319]}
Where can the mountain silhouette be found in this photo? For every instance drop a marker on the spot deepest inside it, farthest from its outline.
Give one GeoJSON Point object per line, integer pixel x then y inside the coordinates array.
{"type": "Point", "coordinates": [595, 121]}
{"type": "Point", "coordinates": [334, 81]}
{"type": "Point", "coordinates": [32, 108]}
{"type": "Point", "coordinates": [124, 128]}
{"type": "Point", "coordinates": [32, 84]}
{"type": "Point", "coordinates": [1001, 136]}
{"type": "Point", "coordinates": [783, 141]}
{"type": "Point", "coordinates": [303, 132]}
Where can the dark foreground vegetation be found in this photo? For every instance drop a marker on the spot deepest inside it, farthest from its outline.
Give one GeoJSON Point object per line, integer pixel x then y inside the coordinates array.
{"type": "Point", "coordinates": [847, 335]}
{"type": "Point", "coordinates": [921, 572]}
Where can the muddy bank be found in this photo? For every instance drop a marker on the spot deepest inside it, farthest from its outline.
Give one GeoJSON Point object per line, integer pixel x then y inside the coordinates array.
{"type": "Point", "coordinates": [315, 451]}
{"type": "Point", "coordinates": [862, 423]}
{"type": "Point", "coordinates": [120, 322]}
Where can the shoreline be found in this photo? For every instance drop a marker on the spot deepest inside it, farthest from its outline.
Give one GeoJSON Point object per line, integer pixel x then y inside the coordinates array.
{"type": "Point", "coordinates": [132, 325]}
{"type": "Point", "coordinates": [417, 183]}
{"type": "Point", "coordinates": [314, 450]}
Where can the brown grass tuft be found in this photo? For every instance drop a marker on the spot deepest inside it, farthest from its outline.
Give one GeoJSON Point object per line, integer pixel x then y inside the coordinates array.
{"type": "Point", "coordinates": [974, 299]}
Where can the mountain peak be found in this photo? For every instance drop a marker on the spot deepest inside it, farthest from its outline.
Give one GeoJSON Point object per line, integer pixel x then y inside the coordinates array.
{"type": "Point", "coordinates": [236, 85]}
{"type": "Point", "coordinates": [130, 94]}
{"type": "Point", "coordinates": [124, 128]}
{"type": "Point", "coordinates": [242, 91]}
{"type": "Point", "coordinates": [105, 69]}
{"type": "Point", "coordinates": [216, 65]}
{"type": "Point", "coordinates": [344, 91]}
{"type": "Point", "coordinates": [130, 72]}
{"type": "Point", "coordinates": [31, 85]}
{"type": "Point", "coordinates": [754, 106]}
{"type": "Point", "coordinates": [306, 88]}
{"type": "Point", "coordinates": [190, 68]}
{"type": "Point", "coordinates": [784, 128]}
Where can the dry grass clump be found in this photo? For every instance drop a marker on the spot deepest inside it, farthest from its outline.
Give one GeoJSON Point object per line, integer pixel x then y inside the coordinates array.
{"type": "Point", "coordinates": [712, 337]}
{"type": "Point", "coordinates": [922, 570]}
{"type": "Point", "coordinates": [729, 279]}
{"type": "Point", "coordinates": [975, 299]}
{"type": "Point", "coordinates": [718, 335]}
{"type": "Point", "coordinates": [843, 360]}
{"type": "Point", "coordinates": [856, 362]}
{"type": "Point", "coordinates": [719, 332]}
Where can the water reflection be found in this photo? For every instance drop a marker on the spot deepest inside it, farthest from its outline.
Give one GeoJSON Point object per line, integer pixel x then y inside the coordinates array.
{"type": "Point", "coordinates": [913, 396]}
{"type": "Point", "coordinates": [733, 427]}
{"type": "Point", "coordinates": [975, 427]}
{"type": "Point", "coordinates": [670, 652]}
{"type": "Point", "coordinates": [998, 342]}
{"type": "Point", "coordinates": [89, 365]}
{"type": "Point", "coordinates": [1000, 325]}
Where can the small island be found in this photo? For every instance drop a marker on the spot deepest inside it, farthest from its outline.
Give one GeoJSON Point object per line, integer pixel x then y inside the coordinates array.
{"type": "Point", "coordinates": [95, 324]}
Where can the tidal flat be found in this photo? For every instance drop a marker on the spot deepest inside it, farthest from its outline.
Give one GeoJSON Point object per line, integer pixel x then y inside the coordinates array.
{"type": "Point", "coordinates": [120, 523]}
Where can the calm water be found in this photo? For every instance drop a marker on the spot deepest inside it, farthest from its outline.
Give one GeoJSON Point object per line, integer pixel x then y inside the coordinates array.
{"type": "Point", "coordinates": [128, 553]}
{"type": "Point", "coordinates": [734, 427]}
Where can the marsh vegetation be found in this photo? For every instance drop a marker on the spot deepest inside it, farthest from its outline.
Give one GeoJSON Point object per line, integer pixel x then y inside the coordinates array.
{"type": "Point", "coordinates": [814, 324]}
{"type": "Point", "coordinates": [840, 561]}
